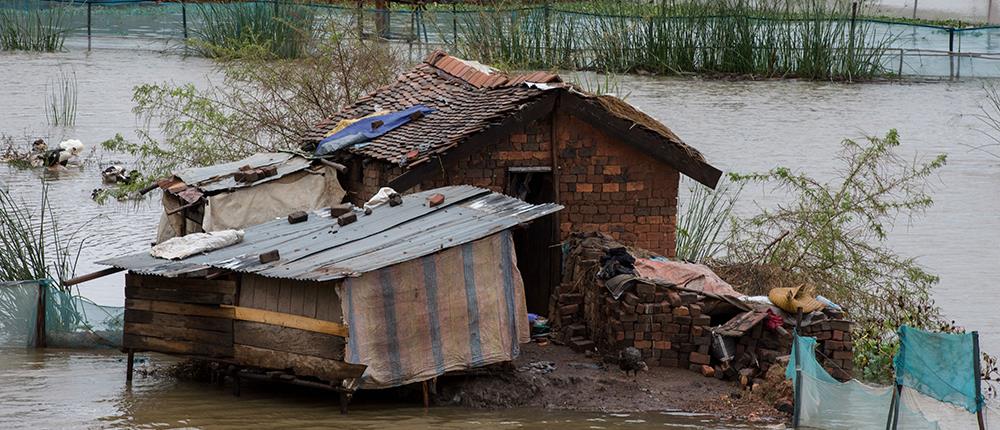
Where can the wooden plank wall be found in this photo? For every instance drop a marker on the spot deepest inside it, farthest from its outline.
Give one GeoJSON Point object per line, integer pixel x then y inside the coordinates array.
{"type": "Point", "coordinates": [305, 352]}
{"type": "Point", "coordinates": [179, 315]}
{"type": "Point", "coordinates": [309, 299]}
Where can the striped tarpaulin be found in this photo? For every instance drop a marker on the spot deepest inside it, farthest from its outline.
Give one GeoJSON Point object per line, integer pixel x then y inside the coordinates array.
{"type": "Point", "coordinates": [453, 310]}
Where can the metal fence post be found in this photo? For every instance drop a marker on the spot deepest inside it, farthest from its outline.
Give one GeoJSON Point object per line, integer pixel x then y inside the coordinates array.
{"type": "Point", "coordinates": [184, 18]}
{"type": "Point", "coordinates": [951, 53]}
{"type": "Point", "coordinates": [797, 406]}
{"type": "Point", "coordinates": [89, 4]}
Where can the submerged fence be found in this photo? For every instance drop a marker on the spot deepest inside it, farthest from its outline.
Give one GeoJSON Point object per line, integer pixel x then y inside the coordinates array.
{"type": "Point", "coordinates": [39, 314]}
{"type": "Point", "coordinates": [546, 32]}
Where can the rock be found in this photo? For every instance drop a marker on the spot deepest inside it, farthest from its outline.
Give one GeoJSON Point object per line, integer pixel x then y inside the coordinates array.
{"type": "Point", "coordinates": [785, 406]}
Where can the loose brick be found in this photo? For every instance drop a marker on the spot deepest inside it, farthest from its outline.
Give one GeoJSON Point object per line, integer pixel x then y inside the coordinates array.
{"type": "Point", "coordinates": [681, 311]}
{"type": "Point", "coordinates": [643, 344]}
{"type": "Point", "coordinates": [699, 358]}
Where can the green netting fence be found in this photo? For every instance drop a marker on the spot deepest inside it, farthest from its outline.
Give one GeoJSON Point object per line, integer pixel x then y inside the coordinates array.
{"type": "Point", "coordinates": [555, 34]}
{"type": "Point", "coordinates": [38, 313]}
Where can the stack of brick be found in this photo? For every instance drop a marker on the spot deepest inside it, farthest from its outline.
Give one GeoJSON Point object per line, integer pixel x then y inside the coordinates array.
{"type": "Point", "coordinates": [835, 350]}
{"type": "Point", "coordinates": [666, 325]}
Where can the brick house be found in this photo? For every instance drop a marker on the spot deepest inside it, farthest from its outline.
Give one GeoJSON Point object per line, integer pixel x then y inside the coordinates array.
{"type": "Point", "coordinates": [614, 168]}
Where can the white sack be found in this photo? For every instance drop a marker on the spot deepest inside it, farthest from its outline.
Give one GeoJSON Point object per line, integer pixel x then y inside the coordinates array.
{"type": "Point", "coordinates": [196, 243]}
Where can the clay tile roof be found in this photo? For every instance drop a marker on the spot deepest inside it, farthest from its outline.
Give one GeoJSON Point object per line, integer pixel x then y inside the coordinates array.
{"type": "Point", "coordinates": [468, 98]}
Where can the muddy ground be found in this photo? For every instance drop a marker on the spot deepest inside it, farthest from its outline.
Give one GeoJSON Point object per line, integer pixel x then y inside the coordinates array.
{"type": "Point", "coordinates": [575, 381]}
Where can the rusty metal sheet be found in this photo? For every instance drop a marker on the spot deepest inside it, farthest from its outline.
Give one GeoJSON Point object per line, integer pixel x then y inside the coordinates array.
{"type": "Point", "coordinates": [319, 249]}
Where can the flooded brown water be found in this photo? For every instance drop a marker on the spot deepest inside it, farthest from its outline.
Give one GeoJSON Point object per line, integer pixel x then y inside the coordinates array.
{"type": "Point", "coordinates": [740, 126]}
{"type": "Point", "coordinates": [59, 389]}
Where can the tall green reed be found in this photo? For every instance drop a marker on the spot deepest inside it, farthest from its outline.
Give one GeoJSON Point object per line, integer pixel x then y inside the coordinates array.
{"type": "Point", "coordinates": [62, 100]}
{"type": "Point", "coordinates": [703, 220]}
{"type": "Point", "coordinates": [33, 26]}
{"type": "Point", "coordinates": [33, 246]}
{"type": "Point", "coordinates": [811, 39]}
{"type": "Point", "coordinates": [285, 30]}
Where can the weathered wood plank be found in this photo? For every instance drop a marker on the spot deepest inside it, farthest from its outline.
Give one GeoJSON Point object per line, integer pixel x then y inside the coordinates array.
{"type": "Point", "coordinates": [272, 297]}
{"type": "Point", "coordinates": [322, 296]}
{"type": "Point", "coordinates": [289, 320]}
{"type": "Point", "coordinates": [180, 333]}
{"type": "Point", "coordinates": [222, 286]}
{"type": "Point", "coordinates": [309, 300]}
{"type": "Point", "coordinates": [284, 296]}
{"type": "Point", "coordinates": [180, 296]}
{"type": "Point", "coordinates": [302, 365]}
{"type": "Point", "coordinates": [179, 308]}
{"type": "Point", "coordinates": [224, 325]}
{"type": "Point", "coordinates": [288, 339]}
{"type": "Point", "coordinates": [296, 294]}
{"type": "Point", "coordinates": [144, 343]}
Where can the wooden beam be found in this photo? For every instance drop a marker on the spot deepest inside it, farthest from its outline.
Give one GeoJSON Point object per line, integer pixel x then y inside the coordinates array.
{"type": "Point", "coordinates": [302, 365]}
{"type": "Point", "coordinates": [541, 107]}
{"type": "Point", "coordinates": [179, 308]}
{"type": "Point", "coordinates": [288, 339]}
{"type": "Point", "coordinates": [91, 276]}
{"type": "Point", "coordinates": [646, 141]}
{"type": "Point", "coordinates": [288, 320]}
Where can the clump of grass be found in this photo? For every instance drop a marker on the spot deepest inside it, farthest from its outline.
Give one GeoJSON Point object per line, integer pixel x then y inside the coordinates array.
{"type": "Point", "coordinates": [285, 30]}
{"type": "Point", "coordinates": [33, 27]}
{"type": "Point", "coordinates": [62, 96]}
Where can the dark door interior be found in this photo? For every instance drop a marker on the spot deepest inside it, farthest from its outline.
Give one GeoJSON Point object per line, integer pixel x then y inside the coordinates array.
{"type": "Point", "coordinates": [537, 244]}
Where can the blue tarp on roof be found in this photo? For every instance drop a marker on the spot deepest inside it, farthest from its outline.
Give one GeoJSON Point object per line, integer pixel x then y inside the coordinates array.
{"type": "Point", "coordinates": [362, 130]}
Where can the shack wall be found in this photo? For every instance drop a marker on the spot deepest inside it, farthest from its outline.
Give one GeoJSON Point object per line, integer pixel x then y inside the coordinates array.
{"type": "Point", "coordinates": [179, 315]}
{"type": "Point", "coordinates": [307, 353]}
{"type": "Point", "coordinates": [605, 184]}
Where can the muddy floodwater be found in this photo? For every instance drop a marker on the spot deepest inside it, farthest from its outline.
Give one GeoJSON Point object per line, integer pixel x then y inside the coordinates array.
{"type": "Point", "coordinates": [740, 126]}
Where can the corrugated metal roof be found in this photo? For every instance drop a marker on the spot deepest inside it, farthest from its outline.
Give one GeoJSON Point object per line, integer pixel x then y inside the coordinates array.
{"type": "Point", "coordinates": [220, 176]}
{"type": "Point", "coordinates": [320, 250]}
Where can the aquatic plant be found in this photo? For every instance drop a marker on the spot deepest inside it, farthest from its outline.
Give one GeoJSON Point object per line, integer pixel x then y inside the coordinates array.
{"type": "Point", "coordinates": [34, 247]}
{"type": "Point", "coordinates": [702, 221]}
{"type": "Point", "coordinates": [812, 39]}
{"type": "Point", "coordinates": [62, 98]}
{"type": "Point", "coordinates": [33, 26]}
{"type": "Point", "coordinates": [283, 29]}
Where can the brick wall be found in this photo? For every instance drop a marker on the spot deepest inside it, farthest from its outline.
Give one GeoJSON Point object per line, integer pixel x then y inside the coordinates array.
{"type": "Point", "coordinates": [606, 186]}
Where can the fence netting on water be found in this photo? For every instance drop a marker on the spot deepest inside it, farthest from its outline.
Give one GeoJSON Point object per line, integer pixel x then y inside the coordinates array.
{"type": "Point", "coordinates": [826, 403]}
{"type": "Point", "coordinates": [552, 30]}
{"type": "Point", "coordinates": [70, 320]}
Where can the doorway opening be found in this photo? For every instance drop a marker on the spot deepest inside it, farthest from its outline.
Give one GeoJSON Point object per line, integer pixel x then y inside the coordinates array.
{"type": "Point", "coordinates": [537, 245]}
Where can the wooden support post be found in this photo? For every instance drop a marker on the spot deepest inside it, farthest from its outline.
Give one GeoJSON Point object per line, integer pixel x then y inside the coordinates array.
{"type": "Point", "coordinates": [130, 365]}
{"type": "Point", "coordinates": [427, 396]}
{"type": "Point", "coordinates": [344, 399]}
{"type": "Point", "coordinates": [895, 407]}
{"type": "Point", "coordinates": [235, 373]}
{"type": "Point", "coordinates": [40, 341]}
{"type": "Point", "coordinates": [454, 27]}
{"type": "Point", "coordinates": [979, 380]}
{"type": "Point", "coordinates": [951, 53]}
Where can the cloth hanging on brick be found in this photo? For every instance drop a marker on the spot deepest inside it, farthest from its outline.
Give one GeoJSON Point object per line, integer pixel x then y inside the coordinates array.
{"type": "Point", "coordinates": [368, 128]}
{"type": "Point", "coordinates": [617, 261]}
{"type": "Point", "coordinates": [688, 276]}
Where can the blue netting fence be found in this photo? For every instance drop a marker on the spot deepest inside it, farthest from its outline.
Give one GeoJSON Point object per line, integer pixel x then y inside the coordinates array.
{"type": "Point", "coordinates": [914, 49]}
